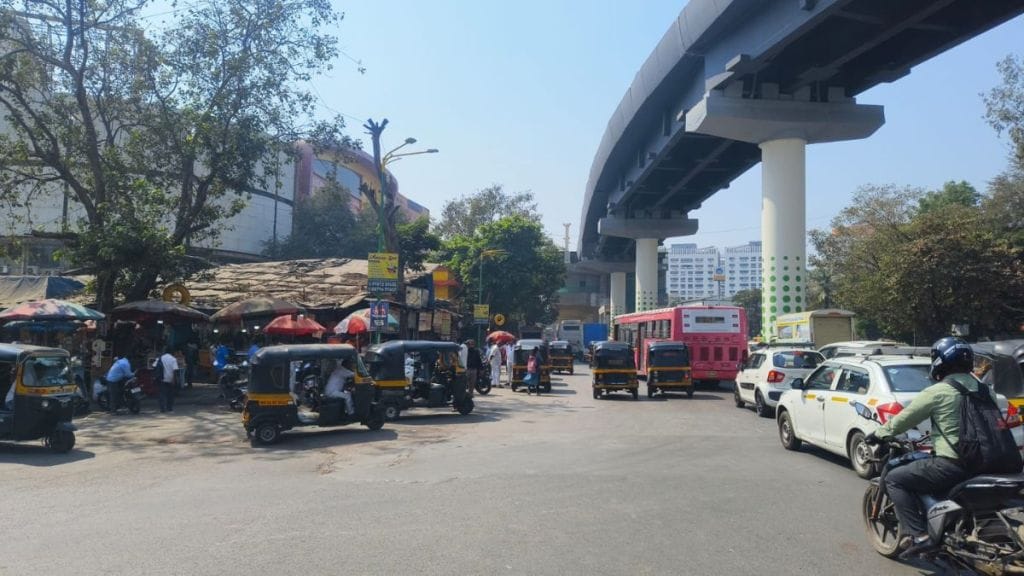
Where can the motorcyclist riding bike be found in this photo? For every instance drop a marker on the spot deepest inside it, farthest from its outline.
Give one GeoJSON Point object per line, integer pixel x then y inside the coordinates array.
{"type": "Point", "coordinates": [952, 359]}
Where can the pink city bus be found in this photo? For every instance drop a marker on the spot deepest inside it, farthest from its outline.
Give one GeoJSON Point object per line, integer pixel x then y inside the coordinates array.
{"type": "Point", "coordinates": [716, 336]}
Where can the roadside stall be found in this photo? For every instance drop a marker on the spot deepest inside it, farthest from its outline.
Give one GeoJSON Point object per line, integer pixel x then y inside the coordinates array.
{"type": "Point", "coordinates": [142, 330]}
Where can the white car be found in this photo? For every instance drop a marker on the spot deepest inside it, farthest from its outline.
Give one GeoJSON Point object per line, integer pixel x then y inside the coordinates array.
{"type": "Point", "coordinates": [820, 411]}
{"type": "Point", "coordinates": [766, 375]}
{"type": "Point", "coordinates": [832, 350]}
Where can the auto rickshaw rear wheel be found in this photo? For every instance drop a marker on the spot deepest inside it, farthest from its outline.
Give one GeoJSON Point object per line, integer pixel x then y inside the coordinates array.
{"type": "Point", "coordinates": [650, 390]}
{"type": "Point", "coordinates": [466, 406]}
{"type": "Point", "coordinates": [597, 394]}
{"type": "Point", "coordinates": [547, 388]}
{"type": "Point", "coordinates": [61, 441]}
{"type": "Point", "coordinates": [689, 392]}
{"type": "Point", "coordinates": [266, 433]}
{"type": "Point", "coordinates": [392, 412]}
{"type": "Point", "coordinates": [377, 417]}
{"type": "Point", "coordinates": [134, 406]}
{"type": "Point", "coordinates": [636, 394]}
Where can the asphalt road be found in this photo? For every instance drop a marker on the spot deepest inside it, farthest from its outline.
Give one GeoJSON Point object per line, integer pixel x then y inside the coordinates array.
{"type": "Point", "coordinates": [560, 484]}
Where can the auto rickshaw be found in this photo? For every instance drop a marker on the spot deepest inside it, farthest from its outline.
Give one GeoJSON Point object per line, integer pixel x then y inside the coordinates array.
{"type": "Point", "coordinates": [1000, 364]}
{"type": "Point", "coordinates": [668, 368]}
{"type": "Point", "coordinates": [562, 356]}
{"type": "Point", "coordinates": [279, 401]}
{"type": "Point", "coordinates": [411, 373]}
{"type": "Point", "coordinates": [521, 354]}
{"type": "Point", "coordinates": [44, 395]}
{"type": "Point", "coordinates": [614, 368]}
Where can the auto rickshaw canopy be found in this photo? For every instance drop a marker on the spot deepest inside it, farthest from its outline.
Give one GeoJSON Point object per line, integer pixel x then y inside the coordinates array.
{"type": "Point", "coordinates": [668, 353]}
{"type": "Point", "coordinates": [613, 354]}
{"type": "Point", "coordinates": [388, 359]}
{"type": "Point", "coordinates": [1005, 373]}
{"type": "Point", "coordinates": [18, 352]}
{"type": "Point", "coordinates": [269, 366]}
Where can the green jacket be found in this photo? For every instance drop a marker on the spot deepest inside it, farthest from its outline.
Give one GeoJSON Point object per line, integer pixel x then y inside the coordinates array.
{"type": "Point", "coordinates": [941, 403]}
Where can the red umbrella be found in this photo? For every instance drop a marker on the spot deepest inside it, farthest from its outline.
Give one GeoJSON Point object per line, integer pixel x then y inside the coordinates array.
{"type": "Point", "coordinates": [500, 337]}
{"type": "Point", "coordinates": [289, 325]}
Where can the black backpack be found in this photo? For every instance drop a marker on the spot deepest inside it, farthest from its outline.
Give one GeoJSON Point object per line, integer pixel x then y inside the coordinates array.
{"type": "Point", "coordinates": [986, 445]}
{"type": "Point", "coordinates": [158, 370]}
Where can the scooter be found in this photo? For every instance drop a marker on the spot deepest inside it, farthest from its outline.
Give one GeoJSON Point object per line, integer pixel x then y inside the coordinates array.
{"type": "Point", "coordinates": [131, 395]}
{"type": "Point", "coordinates": [483, 382]}
{"type": "Point", "coordinates": [978, 525]}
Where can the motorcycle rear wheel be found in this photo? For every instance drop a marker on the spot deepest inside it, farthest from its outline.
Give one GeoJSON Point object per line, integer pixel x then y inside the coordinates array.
{"type": "Point", "coordinates": [884, 534]}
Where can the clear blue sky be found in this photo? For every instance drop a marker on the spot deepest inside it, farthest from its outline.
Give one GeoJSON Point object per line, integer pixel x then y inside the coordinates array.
{"type": "Point", "coordinates": [520, 94]}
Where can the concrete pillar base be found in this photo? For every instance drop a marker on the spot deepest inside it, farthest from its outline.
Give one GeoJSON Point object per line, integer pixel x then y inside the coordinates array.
{"type": "Point", "coordinates": [646, 274]}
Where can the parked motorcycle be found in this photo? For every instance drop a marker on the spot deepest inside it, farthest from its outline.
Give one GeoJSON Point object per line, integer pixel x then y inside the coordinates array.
{"type": "Point", "coordinates": [978, 524]}
{"type": "Point", "coordinates": [131, 395]}
{"type": "Point", "coordinates": [483, 381]}
{"type": "Point", "coordinates": [233, 384]}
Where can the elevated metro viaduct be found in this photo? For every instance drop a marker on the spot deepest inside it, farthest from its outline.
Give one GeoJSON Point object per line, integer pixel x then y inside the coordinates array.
{"type": "Point", "coordinates": [734, 82]}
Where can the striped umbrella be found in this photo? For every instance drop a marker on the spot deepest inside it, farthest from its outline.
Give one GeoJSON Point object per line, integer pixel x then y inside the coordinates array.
{"type": "Point", "coordinates": [49, 309]}
{"type": "Point", "coordinates": [359, 322]}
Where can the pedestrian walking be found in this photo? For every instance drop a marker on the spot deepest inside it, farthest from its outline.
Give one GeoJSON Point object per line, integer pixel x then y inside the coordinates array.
{"type": "Point", "coordinates": [164, 370]}
{"type": "Point", "coordinates": [510, 361]}
{"type": "Point", "coordinates": [191, 361]}
{"type": "Point", "coordinates": [494, 358]}
{"type": "Point", "coordinates": [533, 373]}
{"type": "Point", "coordinates": [473, 366]}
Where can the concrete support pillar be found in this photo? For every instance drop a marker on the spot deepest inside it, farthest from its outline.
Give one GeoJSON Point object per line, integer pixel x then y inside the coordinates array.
{"type": "Point", "coordinates": [646, 274]}
{"type": "Point", "coordinates": [783, 229]}
{"type": "Point", "coordinates": [618, 294]}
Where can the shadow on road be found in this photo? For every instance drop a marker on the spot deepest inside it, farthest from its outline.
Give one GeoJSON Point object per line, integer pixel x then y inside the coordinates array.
{"type": "Point", "coordinates": [318, 438]}
{"type": "Point", "coordinates": [39, 455]}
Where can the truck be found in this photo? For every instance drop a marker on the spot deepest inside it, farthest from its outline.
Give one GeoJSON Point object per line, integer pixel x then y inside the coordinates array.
{"type": "Point", "coordinates": [820, 327]}
{"type": "Point", "coordinates": [593, 332]}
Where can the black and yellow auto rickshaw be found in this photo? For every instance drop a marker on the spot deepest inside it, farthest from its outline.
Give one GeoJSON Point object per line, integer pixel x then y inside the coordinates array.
{"type": "Point", "coordinates": [411, 373]}
{"type": "Point", "coordinates": [562, 356]}
{"type": "Point", "coordinates": [279, 400]}
{"type": "Point", "coordinates": [521, 354]}
{"type": "Point", "coordinates": [43, 395]}
{"type": "Point", "coordinates": [668, 368]}
{"type": "Point", "coordinates": [614, 368]}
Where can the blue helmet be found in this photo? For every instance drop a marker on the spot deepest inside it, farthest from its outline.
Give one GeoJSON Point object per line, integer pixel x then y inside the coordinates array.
{"type": "Point", "coordinates": [951, 355]}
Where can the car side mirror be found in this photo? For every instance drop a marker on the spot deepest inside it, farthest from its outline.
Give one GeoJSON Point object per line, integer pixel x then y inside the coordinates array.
{"type": "Point", "coordinates": [797, 384]}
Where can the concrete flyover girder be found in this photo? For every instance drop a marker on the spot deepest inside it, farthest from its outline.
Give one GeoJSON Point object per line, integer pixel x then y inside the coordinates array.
{"type": "Point", "coordinates": [603, 266]}
{"type": "Point", "coordinates": [636, 228]}
{"type": "Point", "coordinates": [757, 121]}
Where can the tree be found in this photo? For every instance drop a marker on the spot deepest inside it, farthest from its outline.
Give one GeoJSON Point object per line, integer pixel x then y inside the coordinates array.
{"type": "Point", "coordinates": [323, 226]}
{"type": "Point", "coordinates": [522, 269]}
{"type": "Point", "coordinates": [952, 194]}
{"type": "Point", "coordinates": [416, 243]}
{"type": "Point", "coordinates": [912, 274]}
{"type": "Point", "coordinates": [465, 214]}
{"type": "Point", "coordinates": [750, 300]}
{"type": "Point", "coordinates": [1005, 105]}
{"type": "Point", "coordinates": [164, 136]}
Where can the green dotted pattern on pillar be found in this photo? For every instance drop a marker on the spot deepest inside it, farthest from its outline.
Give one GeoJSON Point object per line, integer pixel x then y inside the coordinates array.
{"type": "Point", "coordinates": [781, 291]}
{"type": "Point", "coordinates": [646, 300]}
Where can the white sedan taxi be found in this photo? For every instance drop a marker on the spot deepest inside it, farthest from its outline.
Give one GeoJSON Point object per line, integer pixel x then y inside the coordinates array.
{"type": "Point", "coordinates": [766, 375]}
{"type": "Point", "coordinates": [818, 409]}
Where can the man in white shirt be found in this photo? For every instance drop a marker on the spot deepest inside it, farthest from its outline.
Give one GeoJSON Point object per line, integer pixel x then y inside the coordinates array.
{"type": "Point", "coordinates": [166, 380]}
{"type": "Point", "coordinates": [336, 385]}
{"type": "Point", "coordinates": [509, 362]}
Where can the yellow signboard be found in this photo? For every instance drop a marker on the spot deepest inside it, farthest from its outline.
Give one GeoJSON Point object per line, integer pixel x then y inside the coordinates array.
{"type": "Point", "coordinates": [481, 313]}
{"type": "Point", "coordinates": [383, 266]}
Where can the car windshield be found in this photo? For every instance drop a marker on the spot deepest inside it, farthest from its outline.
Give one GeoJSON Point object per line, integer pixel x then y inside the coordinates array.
{"type": "Point", "coordinates": [908, 377]}
{"type": "Point", "coordinates": [797, 359]}
{"type": "Point", "coordinates": [45, 371]}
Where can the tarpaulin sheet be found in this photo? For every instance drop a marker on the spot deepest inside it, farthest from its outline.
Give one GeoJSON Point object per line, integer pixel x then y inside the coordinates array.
{"type": "Point", "coordinates": [18, 289]}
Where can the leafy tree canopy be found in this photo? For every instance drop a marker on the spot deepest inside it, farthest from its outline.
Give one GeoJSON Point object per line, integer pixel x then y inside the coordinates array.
{"type": "Point", "coordinates": [522, 269]}
{"type": "Point", "coordinates": [952, 194]}
{"type": "Point", "coordinates": [750, 300]}
{"type": "Point", "coordinates": [196, 115]}
{"type": "Point", "coordinates": [464, 215]}
{"type": "Point", "coordinates": [324, 226]}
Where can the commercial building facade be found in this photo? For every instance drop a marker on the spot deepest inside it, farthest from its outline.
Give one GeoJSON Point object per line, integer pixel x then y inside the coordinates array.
{"type": "Point", "coordinates": [695, 273]}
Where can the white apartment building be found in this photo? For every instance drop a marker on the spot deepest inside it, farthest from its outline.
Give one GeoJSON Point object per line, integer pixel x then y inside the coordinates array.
{"type": "Point", "coordinates": [691, 270]}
